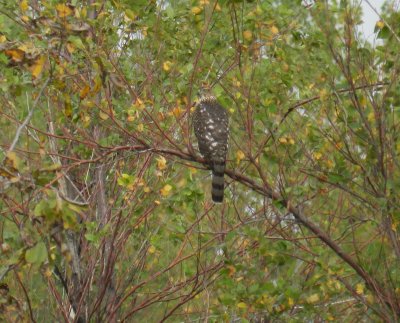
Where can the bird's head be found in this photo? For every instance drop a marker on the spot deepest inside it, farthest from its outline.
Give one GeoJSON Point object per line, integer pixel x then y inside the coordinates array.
{"type": "Point", "coordinates": [205, 93]}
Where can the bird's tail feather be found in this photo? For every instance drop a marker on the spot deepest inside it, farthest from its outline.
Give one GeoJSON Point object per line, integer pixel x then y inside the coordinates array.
{"type": "Point", "coordinates": [217, 191]}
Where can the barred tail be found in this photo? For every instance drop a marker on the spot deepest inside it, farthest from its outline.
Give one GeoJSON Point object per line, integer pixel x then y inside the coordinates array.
{"type": "Point", "coordinates": [217, 191]}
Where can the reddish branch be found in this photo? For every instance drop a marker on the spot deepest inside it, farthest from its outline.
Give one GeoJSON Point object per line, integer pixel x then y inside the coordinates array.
{"type": "Point", "coordinates": [266, 190]}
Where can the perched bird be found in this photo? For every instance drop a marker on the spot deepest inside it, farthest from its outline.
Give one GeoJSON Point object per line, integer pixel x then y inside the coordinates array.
{"type": "Point", "coordinates": [211, 127]}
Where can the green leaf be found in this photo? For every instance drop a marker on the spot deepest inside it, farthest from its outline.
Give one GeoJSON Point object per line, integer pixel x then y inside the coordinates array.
{"type": "Point", "coordinates": [92, 237]}
{"type": "Point", "coordinates": [254, 288]}
{"type": "Point", "coordinates": [125, 180]}
{"type": "Point", "coordinates": [335, 178]}
{"type": "Point", "coordinates": [77, 41]}
{"type": "Point", "coordinates": [39, 208]}
{"type": "Point", "coordinates": [384, 33]}
{"type": "Point", "coordinates": [37, 254]}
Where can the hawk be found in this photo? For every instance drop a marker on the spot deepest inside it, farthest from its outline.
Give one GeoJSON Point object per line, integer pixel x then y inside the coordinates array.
{"type": "Point", "coordinates": [211, 127]}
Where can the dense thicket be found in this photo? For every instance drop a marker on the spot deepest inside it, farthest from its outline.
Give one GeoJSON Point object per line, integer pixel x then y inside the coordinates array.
{"type": "Point", "coordinates": [105, 211]}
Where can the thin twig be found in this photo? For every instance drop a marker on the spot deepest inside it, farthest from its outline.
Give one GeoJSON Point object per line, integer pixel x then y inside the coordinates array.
{"type": "Point", "coordinates": [28, 301]}
{"type": "Point", "coordinates": [384, 20]}
{"type": "Point", "coordinates": [28, 117]}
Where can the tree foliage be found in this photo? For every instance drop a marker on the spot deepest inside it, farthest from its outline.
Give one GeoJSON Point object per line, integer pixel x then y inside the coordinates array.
{"type": "Point", "coordinates": [106, 214]}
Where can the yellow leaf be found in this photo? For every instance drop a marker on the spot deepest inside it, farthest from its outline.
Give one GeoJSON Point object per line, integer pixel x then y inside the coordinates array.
{"type": "Point", "coordinates": [239, 155]}
{"type": "Point", "coordinates": [2, 38]}
{"type": "Point", "coordinates": [363, 101]}
{"type": "Point", "coordinates": [380, 24]}
{"type": "Point", "coordinates": [290, 301]}
{"type": "Point", "coordinates": [47, 273]}
{"type": "Point", "coordinates": [161, 163]}
{"type": "Point", "coordinates": [152, 249]}
{"type": "Point", "coordinates": [140, 127]}
{"type": "Point", "coordinates": [360, 289]}
{"type": "Point", "coordinates": [17, 55]}
{"type": "Point", "coordinates": [371, 117]}
{"type": "Point", "coordinates": [181, 183]}
{"type": "Point", "coordinates": [248, 35]}
{"type": "Point", "coordinates": [84, 92]}
{"type": "Point", "coordinates": [23, 5]}
{"type": "Point", "coordinates": [283, 140]}
{"type": "Point", "coordinates": [103, 116]}
{"type": "Point", "coordinates": [139, 104]}
{"type": "Point", "coordinates": [63, 10]}
{"type": "Point", "coordinates": [83, 12]}
{"type": "Point", "coordinates": [12, 160]}
{"type": "Point", "coordinates": [291, 141]}
{"type": "Point", "coordinates": [97, 84]}
{"type": "Point", "coordinates": [70, 47]}
{"type": "Point", "coordinates": [339, 145]}
{"type": "Point", "coordinates": [370, 299]}
{"type": "Point", "coordinates": [313, 298]}
{"type": "Point", "coordinates": [274, 30]}
{"type": "Point", "coordinates": [317, 155]}
{"type": "Point", "coordinates": [241, 305]}
{"type": "Point", "coordinates": [167, 66]}
{"type": "Point", "coordinates": [37, 68]}
{"type": "Point", "coordinates": [323, 94]}
{"type": "Point", "coordinates": [166, 190]}
{"type": "Point", "coordinates": [231, 269]}
{"type": "Point", "coordinates": [329, 163]}
{"type": "Point", "coordinates": [5, 173]}
{"type": "Point", "coordinates": [86, 120]}
{"type": "Point", "coordinates": [177, 112]}
{"type": "Point", "coordinates": [196, 10]}
{"type": "Point", "coordinates": [146, 189]}
{"type": "Point", "coordinates": [29, 48]}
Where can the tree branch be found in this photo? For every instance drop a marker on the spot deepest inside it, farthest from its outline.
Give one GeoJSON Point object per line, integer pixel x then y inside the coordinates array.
{"type": "Point", "coordinates": [28, 117]}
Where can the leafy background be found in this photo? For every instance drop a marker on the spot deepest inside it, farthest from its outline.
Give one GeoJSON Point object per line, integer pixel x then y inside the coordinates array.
{"type": "Point", "coordinates": [105, 204]}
